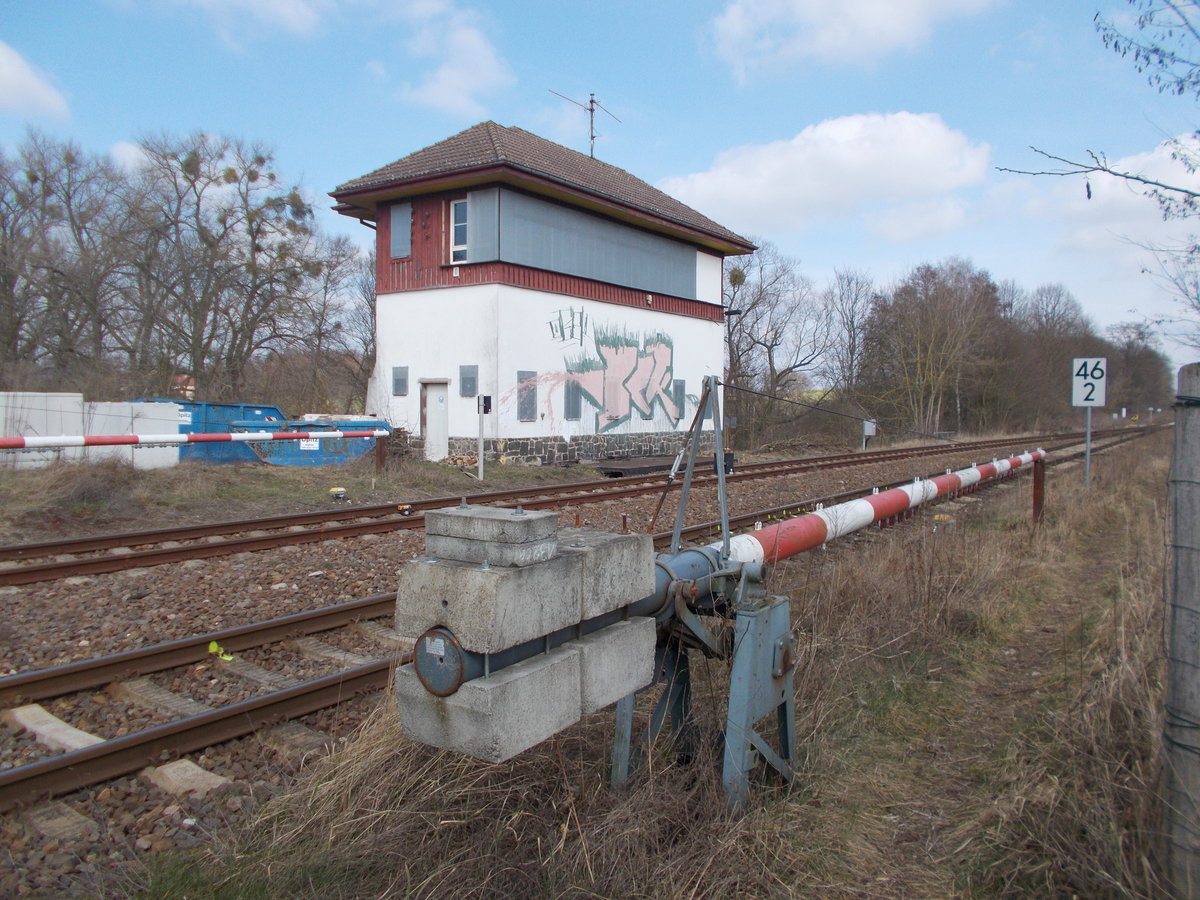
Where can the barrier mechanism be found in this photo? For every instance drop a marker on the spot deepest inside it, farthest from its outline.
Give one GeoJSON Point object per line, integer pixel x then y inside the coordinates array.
{"type": "Point", "coordinates": [522, 628]}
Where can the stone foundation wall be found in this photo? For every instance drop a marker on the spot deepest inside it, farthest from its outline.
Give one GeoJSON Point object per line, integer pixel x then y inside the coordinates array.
{"type": "Point", "coordinates": [556, 451]}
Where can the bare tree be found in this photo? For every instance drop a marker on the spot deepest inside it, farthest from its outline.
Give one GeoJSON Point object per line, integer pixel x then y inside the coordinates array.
{"type": "Point", "coordinates": [925, 340]}
{"type": "Point", "coordinates": [1164, 45]}
{"type": "Point", "coordinates": [848, 304]}
{"type": "Point", "coordinates": [23, 217]}
{"type": "Point", "coordinates": [230, 254]}
{"type": "Point", "coordinates": [776, 330]}
{"type": "Point", "coordinates": [358, 321]}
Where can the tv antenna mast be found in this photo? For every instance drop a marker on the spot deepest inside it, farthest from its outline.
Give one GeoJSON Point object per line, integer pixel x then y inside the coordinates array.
{"type": "Point", "coordinates": [591, 106]}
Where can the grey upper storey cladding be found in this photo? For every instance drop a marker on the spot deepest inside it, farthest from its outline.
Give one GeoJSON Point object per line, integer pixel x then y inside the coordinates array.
{"type": "Point", "coordinates": [512, 227]}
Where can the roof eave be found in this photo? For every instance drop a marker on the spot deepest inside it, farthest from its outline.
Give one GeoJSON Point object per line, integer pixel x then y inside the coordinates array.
{"type": "Point", "coordinates": [362, 203]}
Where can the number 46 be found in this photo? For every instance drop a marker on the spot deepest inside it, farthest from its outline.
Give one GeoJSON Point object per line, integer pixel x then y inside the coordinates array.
{"type": "Point", "coordinates": [1095, 372]}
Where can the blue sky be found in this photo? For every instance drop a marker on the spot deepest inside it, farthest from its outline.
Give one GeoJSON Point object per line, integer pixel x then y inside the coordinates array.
{"type": "Point", "coordinates": [864, 133]}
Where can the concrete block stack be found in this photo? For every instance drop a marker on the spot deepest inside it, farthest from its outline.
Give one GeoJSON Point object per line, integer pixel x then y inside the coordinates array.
{"type": "Point", "coordinates": [499, 578]}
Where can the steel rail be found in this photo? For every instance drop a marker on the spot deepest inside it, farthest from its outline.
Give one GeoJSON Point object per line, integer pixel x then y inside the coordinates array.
{"type": "Point", "coordinates": [573, 494]}
{"type": "Point", "coordinates": [121, 756]}
{"type": "Point", "coordinates": [215, 529]}
{"type": "Point", "coordinates": [43, 684]}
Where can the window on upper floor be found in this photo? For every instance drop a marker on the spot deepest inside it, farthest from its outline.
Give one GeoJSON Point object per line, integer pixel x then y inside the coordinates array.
{"type": "Point", "coordinates": [401, 230]}
{"type": "Point", "coordinates": [468, 381]}
{"type": "Point", "coordinates": [458, 231]}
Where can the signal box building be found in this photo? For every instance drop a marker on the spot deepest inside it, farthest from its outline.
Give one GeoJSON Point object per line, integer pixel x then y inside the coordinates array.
{"type": "Point", "coordinates": [583, 301]}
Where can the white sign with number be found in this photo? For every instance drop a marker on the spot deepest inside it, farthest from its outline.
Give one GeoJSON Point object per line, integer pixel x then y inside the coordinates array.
{"type": "Point", "coordinates": [1089, 376]}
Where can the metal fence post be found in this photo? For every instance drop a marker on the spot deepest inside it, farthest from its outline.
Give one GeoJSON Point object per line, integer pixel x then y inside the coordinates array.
{"type": "Point", "coordinates": [1181, 727]}
{"type": "Point", "coordinates": [380, 454]}
{"type": "Point", "coordinates": [1039, 490]}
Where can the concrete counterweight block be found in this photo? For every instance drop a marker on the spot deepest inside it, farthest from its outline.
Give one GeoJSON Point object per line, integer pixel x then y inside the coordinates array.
{"type": "Point", "coordinates": [492, 609]}
{"type": "Point", "coordinates": [614, 662]}
{"type": "Point", "coordinates": [497, 717]}
{"type": "Point", "coordinates": [499, 537]}
{"type": "Point", "coordinates": [618, 569]}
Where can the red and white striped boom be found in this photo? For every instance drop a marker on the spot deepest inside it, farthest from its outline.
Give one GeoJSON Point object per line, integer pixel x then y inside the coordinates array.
{"type": "Point", "coordinates": [110, 440]}
{"type": "Point", "coordinates": [813, 529]}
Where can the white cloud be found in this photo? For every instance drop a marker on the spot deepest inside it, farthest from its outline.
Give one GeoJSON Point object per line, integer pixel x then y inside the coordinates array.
{"type": "Point", "coordinates": [1047, 230]}
{"type": "Point", "coordinates": [920, 219]}
{"type": "Point", "coordinates": [752, 35]}
{"type": "Point", "coordinates": [23, 90]}
{"type": "Point", "coordinates": [232, 18]}
{"type": "Point", "coordinates": [1119, 209]}
{"type": "Point", "coordinates": [467, 64]}
{"type": "Point", "coordinates": [470, 67]}
{"type": "Point", "coordinates": [900, 169]}
{"type": "Point", "coordinates": [127, 155]}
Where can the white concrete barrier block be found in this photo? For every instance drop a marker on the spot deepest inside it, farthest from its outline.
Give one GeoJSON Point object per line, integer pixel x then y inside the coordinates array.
{"type": "Point", "coordinates": [495, 718]}
{"type": "Point", "coordinates": [618, 569]}
{"type": "Point", "coordinates": [491, 609]}
{"type": "Point", "coordinates": [500, 537]}
{"type": "Point", "coordinates": [615, 662]}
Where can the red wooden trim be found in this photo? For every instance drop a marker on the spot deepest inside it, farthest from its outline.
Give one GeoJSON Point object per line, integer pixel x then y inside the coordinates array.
{"type": "Point", "coordinates": [401, 275]}
{"type": "Point", "coordinates": [428, 267]}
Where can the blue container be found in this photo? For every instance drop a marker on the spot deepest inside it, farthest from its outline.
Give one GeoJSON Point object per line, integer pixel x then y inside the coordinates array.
{"type": "Point", "coordinates": [199, 417]}
{"type": "Point", "coordinates": [312, 452]}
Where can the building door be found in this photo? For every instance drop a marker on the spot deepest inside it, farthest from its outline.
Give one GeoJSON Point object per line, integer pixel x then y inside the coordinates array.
{"type": "Point", "coordinates": [435, 419]}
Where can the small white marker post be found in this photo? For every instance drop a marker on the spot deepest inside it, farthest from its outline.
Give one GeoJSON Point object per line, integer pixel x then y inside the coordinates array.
{"type": "Point", "coordinates": [484, 405]}
{"type": "Point", "coordinates": [1089, 380]}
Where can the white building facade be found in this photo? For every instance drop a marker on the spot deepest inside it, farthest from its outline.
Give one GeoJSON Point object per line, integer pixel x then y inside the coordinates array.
{"type": "Point", "coordinates": [583, 302]}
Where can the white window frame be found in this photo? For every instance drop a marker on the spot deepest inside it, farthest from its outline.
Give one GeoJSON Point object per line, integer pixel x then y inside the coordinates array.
{"type": "Point", "coordinates": [458, 249]}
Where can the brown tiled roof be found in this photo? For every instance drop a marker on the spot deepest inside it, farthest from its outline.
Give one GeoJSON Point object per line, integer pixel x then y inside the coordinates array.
{"type": "Point", "coordinates": [489, 144]}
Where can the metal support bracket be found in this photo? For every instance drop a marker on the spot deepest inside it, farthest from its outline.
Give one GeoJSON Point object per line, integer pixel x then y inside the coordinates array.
{"type": "Point", "coordinates": [760, 683]}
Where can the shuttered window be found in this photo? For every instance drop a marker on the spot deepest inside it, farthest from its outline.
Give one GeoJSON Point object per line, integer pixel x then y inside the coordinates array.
{"type": "Point", "coordinates": [468, 381]}
{"type": "Point", "coordinates": [573, 402]}
{"type": "Point", "coordinates": [527, 396]}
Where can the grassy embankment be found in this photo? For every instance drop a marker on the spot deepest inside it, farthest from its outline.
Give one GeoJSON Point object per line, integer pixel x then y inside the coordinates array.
{"type": "Point", "coordinates": [978, 714]}
{"type": "Point", "coordinates": [75, 498]}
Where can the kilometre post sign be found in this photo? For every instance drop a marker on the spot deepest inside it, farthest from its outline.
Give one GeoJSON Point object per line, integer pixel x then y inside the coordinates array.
{"type": "Point", "coordinates": [1089, 376]}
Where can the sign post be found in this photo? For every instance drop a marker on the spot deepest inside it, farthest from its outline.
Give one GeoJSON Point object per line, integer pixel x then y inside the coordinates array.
{"type": "Point", "coordinates": [483, 403]}
{"type": "Point", "coordinates": [1089, 381]}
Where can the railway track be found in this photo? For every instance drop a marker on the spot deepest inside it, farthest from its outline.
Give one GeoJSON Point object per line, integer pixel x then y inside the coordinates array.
{"type": "Point", "coordinates": [30, 563]}
{"type": "Point", "coordinates": [102, 760]}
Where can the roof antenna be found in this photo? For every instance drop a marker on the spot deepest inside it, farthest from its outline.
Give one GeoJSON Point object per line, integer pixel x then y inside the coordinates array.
{"type": "Point", "coordinates": [591, 106]}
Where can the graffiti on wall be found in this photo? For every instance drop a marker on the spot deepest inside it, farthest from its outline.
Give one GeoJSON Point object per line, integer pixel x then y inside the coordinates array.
{"type": "Point", "coordinates": [620, 375]}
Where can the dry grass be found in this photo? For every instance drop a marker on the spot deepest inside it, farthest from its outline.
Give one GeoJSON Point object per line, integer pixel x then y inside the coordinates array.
{"type": "Point", "coordinates": [934, 763]}
{"type": "Point", "coordinates": [1081, 814]}
{"type": "Point", "coordinates": [82, 497]}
